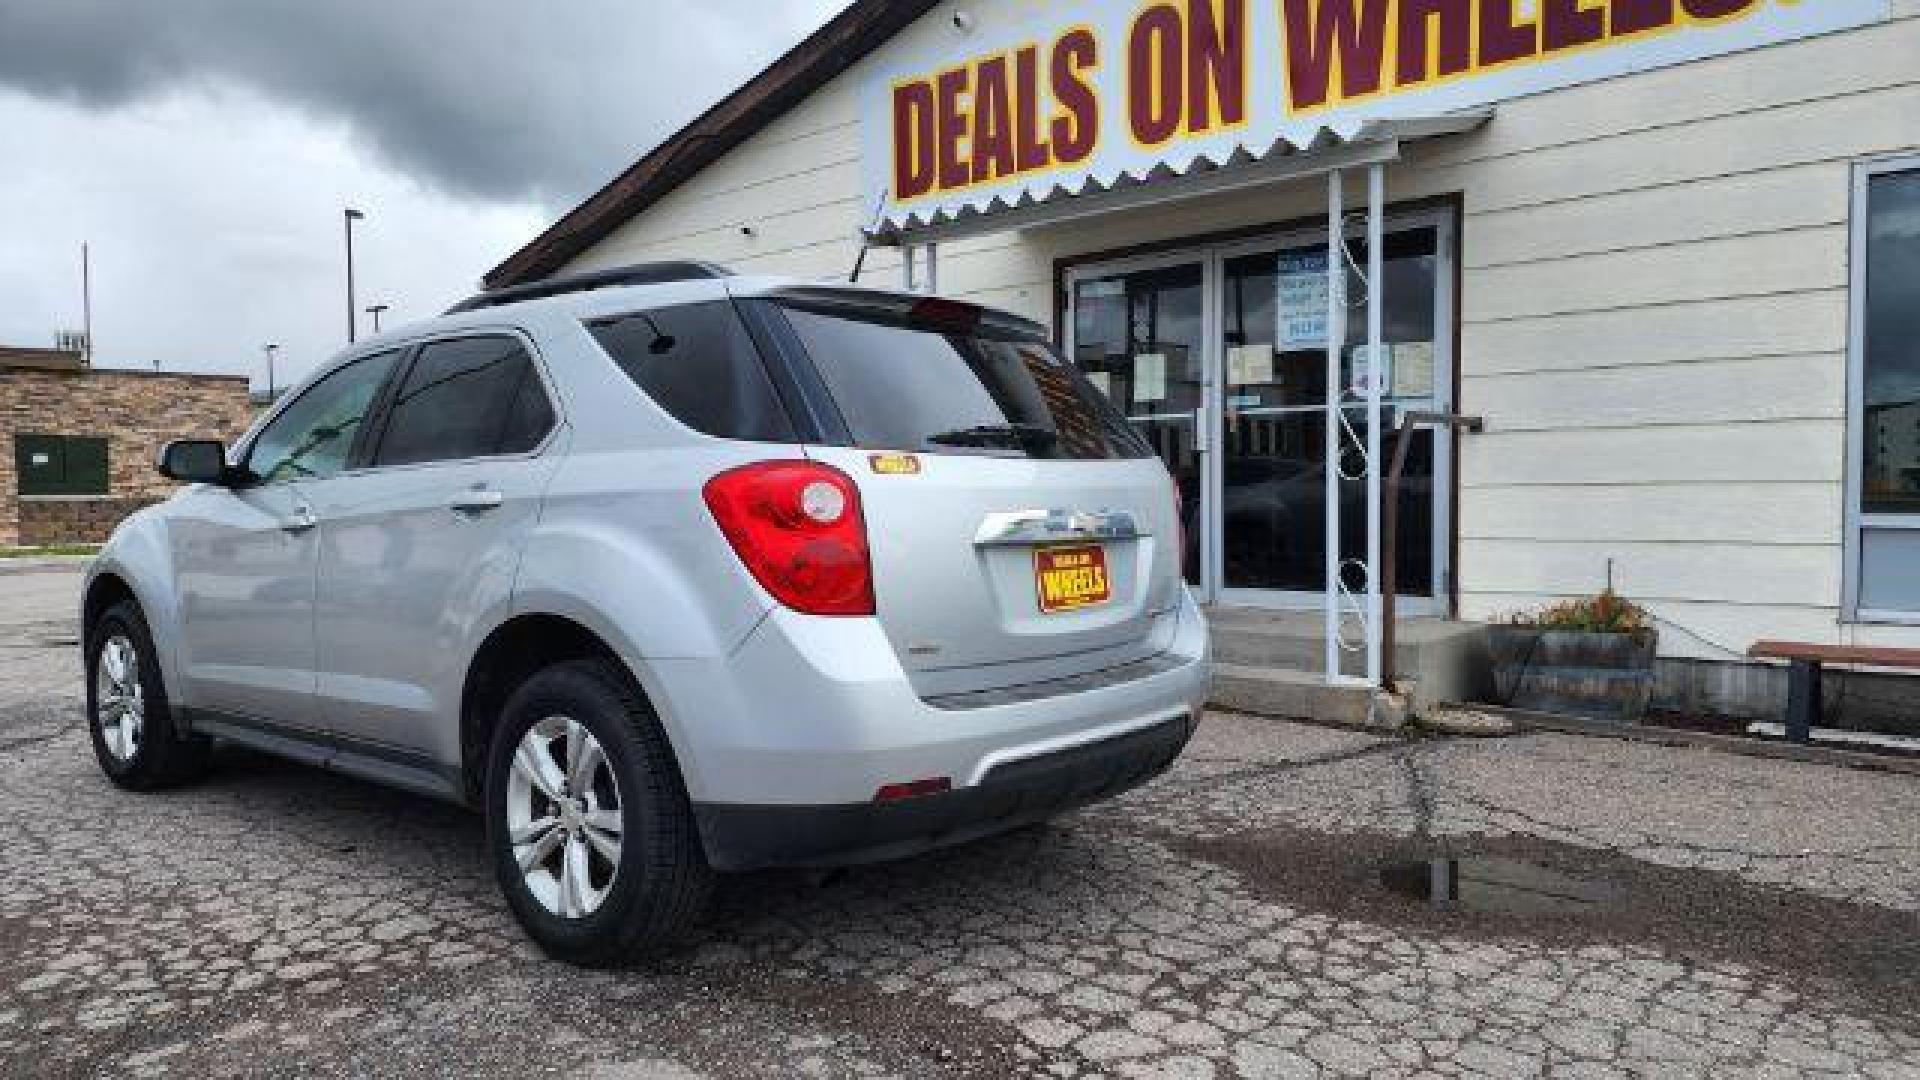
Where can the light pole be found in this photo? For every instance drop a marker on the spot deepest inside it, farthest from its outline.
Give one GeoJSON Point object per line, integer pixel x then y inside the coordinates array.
{"type": "Point", "coordinates": [375, 311]}
{"type": "Point", "coordinates": [353, 323]}
{"type": "Point", "coordinates": [269, 350]}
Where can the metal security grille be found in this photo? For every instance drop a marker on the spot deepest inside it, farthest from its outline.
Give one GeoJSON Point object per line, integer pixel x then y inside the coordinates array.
{"type": "Point", "coordinates": [60, 464]}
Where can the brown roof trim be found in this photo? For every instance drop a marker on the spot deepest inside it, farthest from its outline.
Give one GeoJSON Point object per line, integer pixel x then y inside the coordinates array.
{"type": "Point", "coordinates": [863, 27]}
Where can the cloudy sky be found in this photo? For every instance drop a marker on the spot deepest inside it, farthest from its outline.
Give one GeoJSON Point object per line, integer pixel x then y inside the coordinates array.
{"type": "Point", "coordinates": [206, 148]}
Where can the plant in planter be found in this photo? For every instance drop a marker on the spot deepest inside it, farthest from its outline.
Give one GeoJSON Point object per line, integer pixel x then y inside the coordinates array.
{"type": "Point", "coordinates": [1591, 657]}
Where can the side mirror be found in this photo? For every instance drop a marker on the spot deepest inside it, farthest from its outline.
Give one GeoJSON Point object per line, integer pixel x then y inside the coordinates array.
{"type": "Point", "coordinates": [194, 461]}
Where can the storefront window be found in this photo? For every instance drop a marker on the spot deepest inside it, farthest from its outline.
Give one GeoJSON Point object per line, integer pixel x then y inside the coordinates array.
{"type": "Point", "coordinates": [1890, 332]}
{"type": "Point", "coordinates": [1884, 533]}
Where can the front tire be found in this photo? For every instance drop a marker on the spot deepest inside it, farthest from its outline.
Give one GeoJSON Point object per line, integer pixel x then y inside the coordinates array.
{"type": "Point", "coordinates": [135, 737]}
{"type": "Point", "coordinates": [588, 823]}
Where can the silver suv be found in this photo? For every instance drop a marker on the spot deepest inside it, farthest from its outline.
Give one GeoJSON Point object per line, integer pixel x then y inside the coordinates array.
{"type": "Point", "coordinates": [668, 572]}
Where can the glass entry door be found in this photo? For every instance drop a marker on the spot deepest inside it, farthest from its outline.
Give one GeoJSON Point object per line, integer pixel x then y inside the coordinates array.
{"type": "Point", "coordinates": [1240, 412]}
{"type": "Point", "coordinates": [1140, 335]}
{"type": "Point", "coordinates": [1273, 415]}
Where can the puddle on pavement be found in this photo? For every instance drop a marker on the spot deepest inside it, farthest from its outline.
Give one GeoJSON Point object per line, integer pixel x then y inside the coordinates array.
{"type": "Point", "coordinates": [1498, 887]}
{"type": "Point", "coordinates": [1528, 888]}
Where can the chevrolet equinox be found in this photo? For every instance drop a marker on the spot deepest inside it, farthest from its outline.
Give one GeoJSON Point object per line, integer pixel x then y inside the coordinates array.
{"type": "Point", "coordinates": [668, 572]}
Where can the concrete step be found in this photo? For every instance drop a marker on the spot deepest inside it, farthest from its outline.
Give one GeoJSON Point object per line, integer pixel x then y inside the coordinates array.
{"type": "Point", "coordinates": [1441, 660]}
{"type": "Point", "coordinates": [1293, 647]}
{"type": "Point", "coordinates": [1296, 695]}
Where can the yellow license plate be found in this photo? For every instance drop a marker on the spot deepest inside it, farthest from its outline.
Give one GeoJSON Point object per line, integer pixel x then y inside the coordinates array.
{"type": "Point", "coordinates": [1070, 578]}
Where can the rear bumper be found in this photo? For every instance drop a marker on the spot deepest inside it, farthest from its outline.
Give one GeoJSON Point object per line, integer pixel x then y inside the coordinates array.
{"type": "Point", "coordinates": [748, 837]}
{"type": "Point", "coordinates": [811, 712]}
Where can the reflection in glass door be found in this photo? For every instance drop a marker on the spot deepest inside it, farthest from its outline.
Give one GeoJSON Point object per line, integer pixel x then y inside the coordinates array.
{"type": "Point", "coordinates": [1273, 417]}
{"type": "Point", "coordinates": [1140, 337]}
{"type": "Point", "coordinates": [1223, 348]}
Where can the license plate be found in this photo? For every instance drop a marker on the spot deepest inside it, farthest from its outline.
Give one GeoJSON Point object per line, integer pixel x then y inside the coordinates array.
{"type": "Point", "coordinates": [1070, 578]}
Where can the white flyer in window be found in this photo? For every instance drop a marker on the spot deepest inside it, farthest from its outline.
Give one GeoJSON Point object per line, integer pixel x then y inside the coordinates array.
{"type": "Point", "coordinates": [1413, 369]}
{"type": "Point", "coordinates": [1361, 369]}
{"type": "Point", "coordinates": [1102, 381]}
{"type": "Point", "coordinates": [1250, 365]}
{"type": "Point", "coordinates": [1149, 377]}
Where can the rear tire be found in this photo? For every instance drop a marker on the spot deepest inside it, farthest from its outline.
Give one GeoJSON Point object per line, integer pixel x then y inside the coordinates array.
{"type": "Point", "coordinates": [591, 833]}
{"type": "Point", "coordinates": [135, 734]}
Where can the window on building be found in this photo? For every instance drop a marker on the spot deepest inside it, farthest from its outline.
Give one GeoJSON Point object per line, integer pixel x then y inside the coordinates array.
{"type": "Point", "coordinates": [1884, 497]}
{"type": "Point", "coordinates": [466, 398]}
{"type": "Point", "coordinates": [50, 465]}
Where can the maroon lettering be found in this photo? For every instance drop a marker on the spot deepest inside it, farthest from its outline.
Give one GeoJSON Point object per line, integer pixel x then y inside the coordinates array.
{"type": "Point", "coordinates": [952, 128]}
{"type": "Point", "coordinates": [1567, 23]}
{"type": "Point", "coordinates": [1154, 66]}
{"type": "Point", "coordinates": [913, 162]}
{"type": "Point", "coordinates": [1076, 131]}
{"type": "Point", "coordinates": [1217, 70]}
{"type": "Point", "coordinates": [1415, 46]}
{"type": "Point", "coordinates": [1638, 16]}
{"type": "Point", "coordinates": [1324, 34]}
{"type": "Point", "coordinates": [992, 142]}
{"type": "Point", "coordinates": [1502, 36]}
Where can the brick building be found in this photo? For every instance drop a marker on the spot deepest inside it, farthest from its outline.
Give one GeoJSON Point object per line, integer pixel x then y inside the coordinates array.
{"type": "Point", "coordinates": [80, 441]}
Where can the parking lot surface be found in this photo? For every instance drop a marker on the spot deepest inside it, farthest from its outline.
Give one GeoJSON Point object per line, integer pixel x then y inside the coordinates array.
{"type": "Point", "coordinates": [1699, 915]}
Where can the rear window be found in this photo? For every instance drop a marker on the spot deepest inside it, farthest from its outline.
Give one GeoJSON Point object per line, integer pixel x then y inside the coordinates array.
{"type": "Point", "coordinates": [698, 362]}
{"type": "Point", "coordinates": [904, 383]}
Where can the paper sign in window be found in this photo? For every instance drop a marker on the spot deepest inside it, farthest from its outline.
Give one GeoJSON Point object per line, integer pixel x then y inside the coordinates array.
{"type": "Point", "coordinates": [1250, 365]}
{"type": "Point", "coordinates": [1303, 300]}
{"type": "Point", "coordinates": [1360, 369]}
{"type": "Point", "coordinates": [1149, 377]}
{"type": "Point", "coordinates": [1412, 369]}
{"type": "Point", "coordinates": [1102, 381]}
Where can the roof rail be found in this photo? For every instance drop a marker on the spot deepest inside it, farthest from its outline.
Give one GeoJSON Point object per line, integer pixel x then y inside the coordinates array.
{"type": "Point", "coordinates": [654, 273]}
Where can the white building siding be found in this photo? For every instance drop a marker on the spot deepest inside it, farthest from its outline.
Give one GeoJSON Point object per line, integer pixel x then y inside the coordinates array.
{"type": "Point", "coordinates": [1653, 305]}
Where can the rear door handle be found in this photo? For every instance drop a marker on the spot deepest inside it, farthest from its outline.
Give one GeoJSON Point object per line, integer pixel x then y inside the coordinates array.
{"type": "Point", "coordinates": [301, 521]}
{"type": "Point", "coordinates": [476, 501]}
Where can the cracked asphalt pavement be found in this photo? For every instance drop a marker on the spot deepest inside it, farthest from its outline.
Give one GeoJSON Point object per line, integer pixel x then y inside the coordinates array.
{"type": "Point", "coordinates": [1756, 918]}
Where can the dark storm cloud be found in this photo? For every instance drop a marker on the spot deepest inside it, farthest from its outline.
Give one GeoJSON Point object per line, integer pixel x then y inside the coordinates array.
{"type": "Point", "coordinates": [489, 99]}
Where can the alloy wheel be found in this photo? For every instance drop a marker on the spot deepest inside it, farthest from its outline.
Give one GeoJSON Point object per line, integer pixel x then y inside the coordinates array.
{"type": "Point", "coordinates": [564, 817]}
{"type": "Point", "coordinates": [119, 699]}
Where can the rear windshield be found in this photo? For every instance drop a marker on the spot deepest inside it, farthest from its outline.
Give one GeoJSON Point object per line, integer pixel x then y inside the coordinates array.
{"type": "Point", "coordinates": [902, 383]}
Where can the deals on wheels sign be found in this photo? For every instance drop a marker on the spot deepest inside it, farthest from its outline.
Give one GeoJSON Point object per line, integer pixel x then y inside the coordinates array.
{"type": "Point", "coordinates": [1092, 91]}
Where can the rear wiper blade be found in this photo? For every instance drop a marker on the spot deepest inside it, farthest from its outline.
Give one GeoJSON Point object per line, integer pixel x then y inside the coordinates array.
{"type": "Point", "coordinates": [1024, 436]}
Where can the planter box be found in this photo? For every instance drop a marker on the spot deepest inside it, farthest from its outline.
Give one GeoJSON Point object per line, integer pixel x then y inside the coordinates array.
{"type": "Point", "coordinates": [1601, 676]}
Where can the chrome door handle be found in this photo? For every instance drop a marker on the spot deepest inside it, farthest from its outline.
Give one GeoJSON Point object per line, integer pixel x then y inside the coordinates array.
{"type": "Point", "coordinates": [301, 521]}
{"type": "Point", "coordinates": [476, 501]}
{"type": "Point", "coordinates": [1021, 528]}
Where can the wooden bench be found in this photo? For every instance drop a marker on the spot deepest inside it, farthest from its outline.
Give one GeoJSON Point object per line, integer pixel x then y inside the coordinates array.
{"type": "Point", "coordinates": [1805, 662]}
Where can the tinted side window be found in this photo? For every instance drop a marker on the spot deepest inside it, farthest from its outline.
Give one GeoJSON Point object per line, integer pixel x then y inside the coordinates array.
{"type": "Point", "coordinates": [529, 416]}
{"type": "Point", "coordinates": [461, 400]}
{"type": "Point", "coordinates": [312, 437]}
{"type": "Point", "coordinates": [700, 364]}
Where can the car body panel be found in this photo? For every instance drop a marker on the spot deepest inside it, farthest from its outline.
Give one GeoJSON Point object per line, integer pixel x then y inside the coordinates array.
{"type": "Point", "coordinates": [406, 582]}
{"type": "Point", "coordinates": [245, 582]}
{"type": "Point", "coordinates": [962, 612]}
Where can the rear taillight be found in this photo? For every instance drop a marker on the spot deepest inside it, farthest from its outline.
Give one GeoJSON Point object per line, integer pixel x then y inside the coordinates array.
{"type": "Point", "coordinates": [798, 528]}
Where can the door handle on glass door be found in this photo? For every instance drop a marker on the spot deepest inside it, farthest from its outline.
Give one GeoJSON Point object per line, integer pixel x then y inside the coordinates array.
{"type": "Point", "coordinates": [476, 501]}
{"type": "Point", "coordinates": [301, 521]}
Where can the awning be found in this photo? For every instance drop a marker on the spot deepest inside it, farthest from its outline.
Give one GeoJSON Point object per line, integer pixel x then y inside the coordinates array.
{"type": "Point", "coordinates": [1365, 143]}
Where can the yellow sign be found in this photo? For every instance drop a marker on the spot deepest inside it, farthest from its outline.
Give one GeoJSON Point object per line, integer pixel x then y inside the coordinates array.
{"type": "Point", "coordinates": [1123, 87]}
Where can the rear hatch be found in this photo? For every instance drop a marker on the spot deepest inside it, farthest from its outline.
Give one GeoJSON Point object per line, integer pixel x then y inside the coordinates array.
{"type": "Point", "coordinates": [1021, 531]}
